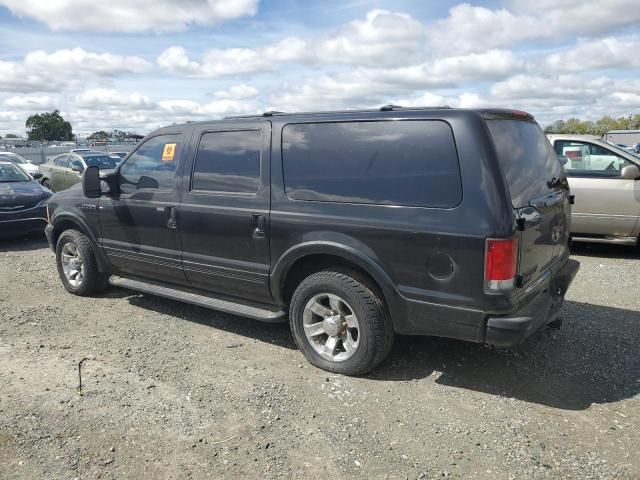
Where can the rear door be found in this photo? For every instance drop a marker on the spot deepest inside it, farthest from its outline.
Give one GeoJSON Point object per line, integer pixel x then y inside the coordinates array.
{"type": "Point", "coordinates": [59, 168]}
{"type": "Point", "coordinates": [224, 212]}
{"type": "Point", "coordinates": [606, 204]}
{"type": "Point", "coordinates": [539, 194]}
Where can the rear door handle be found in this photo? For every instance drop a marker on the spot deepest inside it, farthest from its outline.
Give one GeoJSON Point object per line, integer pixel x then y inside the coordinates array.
{"type": "Point", "coordinates": [259, 225]}
{"type": "Point", "coordinates": [171, 213]}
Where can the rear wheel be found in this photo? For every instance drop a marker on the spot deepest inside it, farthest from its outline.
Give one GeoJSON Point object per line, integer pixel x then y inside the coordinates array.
{"type": "Point", "coordinates": [339, 323]}
{"type": "Point", "coordinates": [77, 264]}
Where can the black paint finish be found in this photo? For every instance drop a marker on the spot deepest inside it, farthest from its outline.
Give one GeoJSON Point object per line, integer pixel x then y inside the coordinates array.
{"type": "Point", "coordinates": [240, 232]}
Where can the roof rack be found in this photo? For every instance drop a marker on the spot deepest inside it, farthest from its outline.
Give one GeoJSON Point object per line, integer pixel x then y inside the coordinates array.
{"type": "Point", "coordinates": [385, 108]}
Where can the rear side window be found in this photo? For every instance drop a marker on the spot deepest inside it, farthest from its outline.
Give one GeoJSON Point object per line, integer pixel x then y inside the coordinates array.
{"type": "Point", "coordinates": [228, 162]}
{"type": "Point", "coordinates": [529, 162]}
{"type": "Point", "coordinates": [410, 163]}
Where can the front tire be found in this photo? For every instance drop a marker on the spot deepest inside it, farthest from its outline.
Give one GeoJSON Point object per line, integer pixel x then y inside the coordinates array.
{"type": "Point", "coordinates": [47, 184]}
{"type": "Point", "coordinates": [339, 323]}
{"type": "Point", "coordinates": [77, 265]}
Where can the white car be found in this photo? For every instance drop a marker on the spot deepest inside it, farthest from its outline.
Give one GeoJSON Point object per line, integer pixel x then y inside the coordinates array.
{"type": "Point", "coordinates": [23, 163]}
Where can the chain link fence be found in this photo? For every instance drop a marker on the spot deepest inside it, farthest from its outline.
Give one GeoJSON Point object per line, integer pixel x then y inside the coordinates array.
{"type": "Point", "coordinates": [38, 155]}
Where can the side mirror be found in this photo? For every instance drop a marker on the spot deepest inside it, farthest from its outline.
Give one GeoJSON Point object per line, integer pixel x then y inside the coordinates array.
{"type": "Point", "coordinates": [630, 172]}
{"type": "Point", "coordinates": [77, 168]}
{"type": "Point", "coordinates": [91, 186]}
{"type": "Point", "coordinates": [37, 176]}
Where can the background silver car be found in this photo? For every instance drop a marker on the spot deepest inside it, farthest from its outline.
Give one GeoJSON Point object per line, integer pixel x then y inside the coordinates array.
{"type": "Point", "coordinates": [605, 180]}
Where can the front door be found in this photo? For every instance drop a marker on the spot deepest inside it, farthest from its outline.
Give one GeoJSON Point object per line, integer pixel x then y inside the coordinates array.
{"type": "Point", "coordinates": [605, 203]}
{"type": "Point", "coordinates": [225, 211]}
{"type": "Point", "coordinates": [139, 224]}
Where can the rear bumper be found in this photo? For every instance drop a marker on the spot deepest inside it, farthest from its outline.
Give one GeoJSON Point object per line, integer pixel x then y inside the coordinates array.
{"type": "Point", "coordinates": [509, 330]}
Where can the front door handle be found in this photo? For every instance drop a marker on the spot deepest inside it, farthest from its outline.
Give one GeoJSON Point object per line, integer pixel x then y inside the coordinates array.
{"type": "Point", "coordinates": [171, 213]}
{"type": "Point", "coordinates": [259, 225]}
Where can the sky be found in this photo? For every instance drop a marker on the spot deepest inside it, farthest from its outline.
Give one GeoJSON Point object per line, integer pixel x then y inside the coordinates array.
{"type": "Point", "coordinates": [136, 65]}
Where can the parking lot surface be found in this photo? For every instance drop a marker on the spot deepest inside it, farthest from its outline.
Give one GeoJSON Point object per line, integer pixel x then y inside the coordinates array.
{"type": "Point", "coordinates": [176, 391]}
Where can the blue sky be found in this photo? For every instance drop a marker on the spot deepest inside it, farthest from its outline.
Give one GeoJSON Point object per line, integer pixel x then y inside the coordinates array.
{"type": "Point", "coordinates": [140, 64]}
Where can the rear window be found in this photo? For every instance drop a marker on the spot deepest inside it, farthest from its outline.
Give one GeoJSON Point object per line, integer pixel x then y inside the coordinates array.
{"type": "Point", "coordinates": [527, 158]}
{"type": "Point", "coordinates": [410, 163]}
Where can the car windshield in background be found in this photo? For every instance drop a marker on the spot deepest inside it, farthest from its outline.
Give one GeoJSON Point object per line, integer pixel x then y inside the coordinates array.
{"type": "Point", "coordinates": [10, 173]}
{"type": "Point", "coordinates": [103, 162]}
{"type": "Point", "coordinates": [528, 160]}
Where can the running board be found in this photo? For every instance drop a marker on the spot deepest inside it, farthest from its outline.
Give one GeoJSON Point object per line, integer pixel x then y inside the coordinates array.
{"type": "Point", "coordinates": [226, 306]}
{"type": "Point", "coordinates": [611, 240]}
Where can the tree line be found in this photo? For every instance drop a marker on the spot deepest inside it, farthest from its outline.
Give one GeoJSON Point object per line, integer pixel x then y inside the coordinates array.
{"type": "Point", "coordinates": [51, 126]}
{"type": "Point", "coordinates": [598, 127]}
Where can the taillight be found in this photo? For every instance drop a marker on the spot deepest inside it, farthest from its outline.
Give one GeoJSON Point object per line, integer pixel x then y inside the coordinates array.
{"type": "Point", "coordinates": [501, 263]}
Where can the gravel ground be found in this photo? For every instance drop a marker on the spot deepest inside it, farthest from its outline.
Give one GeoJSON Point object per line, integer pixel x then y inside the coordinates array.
{"type": "Point", "coordinates": [177, 391]}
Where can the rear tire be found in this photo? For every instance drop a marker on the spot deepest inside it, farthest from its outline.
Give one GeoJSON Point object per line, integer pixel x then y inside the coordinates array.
{"type": "Point", "coordinates": [77, 265]}
{"type": "Point", "coordinates": [339, 323]}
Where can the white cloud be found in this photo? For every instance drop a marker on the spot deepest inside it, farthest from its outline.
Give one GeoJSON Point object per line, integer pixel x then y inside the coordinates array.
{"type": "Point", "coordinates": [595, 55]}
{"type": "Point", "coordinates": [382, 39]}
{"type": "Point", "coordinates": [471, 28]}
{"type": "Point", "coordinates": [48, 72]}
{"type": "Point", "coordinates": [375, 86]}
{"type": "Point", "coordinates": [237, 92]}
{"type": "Point", "coordinates": [130, 15]}
{"type": "Point", "coordinates": [30, 103]}
{"type": "Point", "coordinates": [232, 61]}
{"type": "Point", "coordinates": [110, 98]}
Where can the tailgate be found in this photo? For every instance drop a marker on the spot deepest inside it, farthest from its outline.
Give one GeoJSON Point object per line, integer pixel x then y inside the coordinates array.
{"type": "Point", "coordinates": [539, 194]}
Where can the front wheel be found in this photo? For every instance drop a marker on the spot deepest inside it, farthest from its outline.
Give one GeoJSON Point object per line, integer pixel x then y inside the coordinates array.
{"type": "Point", "coordinates": [47, 184]}
{"type": "Point", "coordinates": [77, 264]}
{"type": "Point", "coordinates": [339, 323]}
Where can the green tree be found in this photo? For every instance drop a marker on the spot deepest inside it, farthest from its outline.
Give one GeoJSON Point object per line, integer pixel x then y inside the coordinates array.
{"type": "Point", "coordinates": [99, 135]}
{"type": "Point", "coordinates": [48, 126]}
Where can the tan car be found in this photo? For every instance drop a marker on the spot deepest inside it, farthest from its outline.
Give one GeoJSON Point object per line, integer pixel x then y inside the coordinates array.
{"type": "Point", "coordinates": [605, 180]}
{"type": "Point", "coordinates": [65, 170]}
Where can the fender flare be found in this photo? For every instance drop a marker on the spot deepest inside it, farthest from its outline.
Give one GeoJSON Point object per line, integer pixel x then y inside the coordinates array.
{"type": "Point", "coordinates": [103, 263]}
{"type": "Point", "coordinates": [365, 262]}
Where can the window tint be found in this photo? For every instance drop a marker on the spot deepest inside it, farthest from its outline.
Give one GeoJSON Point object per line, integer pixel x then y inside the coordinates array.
{"type": "Point", "coordinates": [590, 160]}
{"type": "Point", "coordinates": [152, 165]}
{"type": "Point", "coordinates": [412, 163]}
{"type": "Point", "coordinates": [62, 161]}
{"type": "Point", "coordinates": [228, 162]}
{"type": "Point", "coordinates": [103, 162]}
{"type": "Point", "coordinates": [529, 163]}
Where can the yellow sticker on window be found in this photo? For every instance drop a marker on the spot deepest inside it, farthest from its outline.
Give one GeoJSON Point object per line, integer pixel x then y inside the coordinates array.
{"type": "Point", "coordinates": [169, 152]}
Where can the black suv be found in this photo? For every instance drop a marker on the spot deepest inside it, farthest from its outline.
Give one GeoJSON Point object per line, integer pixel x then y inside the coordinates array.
{"type": "Point", "coordinates": [355, 225]}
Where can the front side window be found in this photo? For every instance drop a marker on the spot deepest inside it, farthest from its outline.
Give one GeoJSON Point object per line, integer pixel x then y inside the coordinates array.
{"type": "Point", "coordinates": [153, 165]}
{"type": "Point", "coordinates": [589, 160]}
{"type": "Point", "coordinates": [409, 163]}
{"type": "Point", "coordinates": [228, 162]}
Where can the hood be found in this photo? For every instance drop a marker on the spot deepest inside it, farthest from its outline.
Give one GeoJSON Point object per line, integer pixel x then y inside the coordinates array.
{"type": "Point", "coordinates": [21, 193]}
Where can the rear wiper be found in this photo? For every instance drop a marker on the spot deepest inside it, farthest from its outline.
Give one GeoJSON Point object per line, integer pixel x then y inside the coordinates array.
{"type": "Point", "coordinates": [558, 183]}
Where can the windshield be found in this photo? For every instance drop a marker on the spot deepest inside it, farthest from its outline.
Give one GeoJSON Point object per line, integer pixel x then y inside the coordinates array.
{"type": "Point", "coordinates": [11, 173]}
{"type": "Point", "coordinates": [103, 162]}
{"type": "Point", "coordinates": [616, 147]}
{"type": "Point", "coordinates": [13, 158]}
{"type": "Point", "coordinates": [529, 162]}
